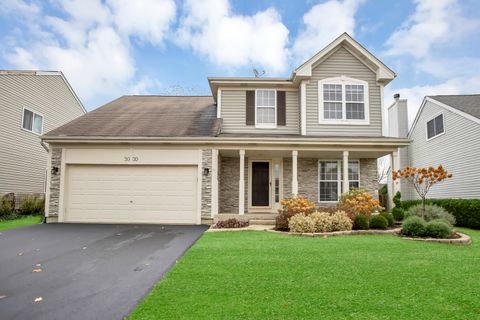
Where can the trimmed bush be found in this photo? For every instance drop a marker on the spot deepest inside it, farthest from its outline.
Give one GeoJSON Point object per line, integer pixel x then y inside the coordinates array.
{"type": "Point", "coordinates": [340, 221]}
{"type": "Point", "coordinates": [361, 222]}
{"type": "Point", "coordinates": [432, 212]}
{"type": "Point", "coordinates": [301, 223]}
{"type": "Point", "coordinates": [439, 229]}
{"type": "Point", "coordinates": [398, 214]}
{"type": "Point", "coordinates": [414, 226]}
{"type": "Point", "coordinates": [378, 222]}
{"type": "Point", "coordinates": [32, 206]}
{"type": "Point", "coordinates": [290, 207]}
{"type": "Point", "coordinates": [322, 221]}
{"type": "Point", "coordinates": [389, 217]}
{"type": "Point", "coordinates": [397, 199]}
{"type": "Point", "coordinates": [358, 201]}
{"type": "Point", "coordinates": [231, 224]}
{"type": "Point", "coordinates": [465, 211]}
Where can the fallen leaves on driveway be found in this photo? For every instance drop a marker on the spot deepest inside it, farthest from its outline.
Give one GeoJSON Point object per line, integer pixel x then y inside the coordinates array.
{"type": "Point", "coordinates": [37, 270]}
{"type": "Point", "coordinates": [2, 297]}
{"type": "Point", "coordinates": [38, 299]}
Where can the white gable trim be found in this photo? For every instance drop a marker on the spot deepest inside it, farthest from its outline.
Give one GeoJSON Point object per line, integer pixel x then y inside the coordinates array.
{"type": "Point", "coordinates": [444, 106]}
{"type": "Point", "coordinates": [384, 74]}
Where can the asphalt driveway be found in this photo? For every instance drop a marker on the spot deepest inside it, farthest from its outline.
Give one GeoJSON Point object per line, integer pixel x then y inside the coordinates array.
{"type": "Point", "coordinates": [84, 271]}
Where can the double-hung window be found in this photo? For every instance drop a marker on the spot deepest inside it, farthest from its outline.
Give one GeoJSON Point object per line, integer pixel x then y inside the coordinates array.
{"type": "Point", "coordinates": [330, 178]}
{"type": "Point", "coordinates": [435, 127]}
{"type": "Point", "coordinates": [265, 108]}
{"type": "Point", "coordinates": [32, 121]}
{"type": "Point", "coordinates": [343, 100]}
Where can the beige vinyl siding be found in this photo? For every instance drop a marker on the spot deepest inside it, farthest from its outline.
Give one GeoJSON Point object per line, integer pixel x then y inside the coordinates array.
{"type": "Point", "coordinates": [339, 63]}
{"type": "Point", "coordinates": [233, 114]}
{"type": "Point", "coordinates": [23, 160]}
{"type": "Point", "coordinates": [458, 151]}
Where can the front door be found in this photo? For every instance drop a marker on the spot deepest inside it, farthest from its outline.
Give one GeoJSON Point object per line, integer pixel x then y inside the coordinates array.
{"type": "Point", "coordinates": [260, 184]}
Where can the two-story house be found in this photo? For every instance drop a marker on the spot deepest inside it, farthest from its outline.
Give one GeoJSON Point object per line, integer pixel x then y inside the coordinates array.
{"type": "Point", "coordinates": [157, 159]}
{"type": "Point", "coordinates": [31, 103]}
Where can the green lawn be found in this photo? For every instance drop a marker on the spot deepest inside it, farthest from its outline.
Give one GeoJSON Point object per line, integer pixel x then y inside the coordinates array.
{"type": "Point", "coordinates": [21, 222]}
{"type": "Point", "coordinates": [260, 275]}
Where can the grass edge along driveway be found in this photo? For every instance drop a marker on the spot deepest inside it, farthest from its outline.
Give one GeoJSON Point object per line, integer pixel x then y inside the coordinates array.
{"type": "Point", "coordinates": [20, 222]}
{"type": "Point", "coordinates": [244, 275]}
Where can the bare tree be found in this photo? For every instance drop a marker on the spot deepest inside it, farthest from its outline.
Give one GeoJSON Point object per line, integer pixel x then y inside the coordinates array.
{"type": "Point", "coordinates": [179, 90]}
{"type": "Point", "coordinates": [383, 169]}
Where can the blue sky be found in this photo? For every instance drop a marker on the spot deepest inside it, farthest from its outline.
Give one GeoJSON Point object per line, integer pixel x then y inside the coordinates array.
{"type": "Point", "coordinates": [108, 48]}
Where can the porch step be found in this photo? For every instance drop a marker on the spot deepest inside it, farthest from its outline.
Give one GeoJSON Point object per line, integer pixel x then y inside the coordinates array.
{"type": "Point", "coordinates": [257, 222]}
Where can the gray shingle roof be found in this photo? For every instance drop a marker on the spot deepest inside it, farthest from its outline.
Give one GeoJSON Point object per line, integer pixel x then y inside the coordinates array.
{"type": "Point", "coordinates": [147, 116]}
{"type": "Point", "coordinates": [467, 103]}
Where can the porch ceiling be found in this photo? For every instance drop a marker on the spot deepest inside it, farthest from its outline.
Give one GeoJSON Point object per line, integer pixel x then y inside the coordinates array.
{"type": "Point", "coordinates": [320, 154]}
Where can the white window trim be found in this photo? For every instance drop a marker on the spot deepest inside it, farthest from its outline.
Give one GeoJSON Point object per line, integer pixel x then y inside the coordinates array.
{"type": "Point", "coordinates": [343, 81]}
{"type": "Point", "coordinates": [33, 121]}
{"type": "Point", "coordinates": [339, 177]}
{"type": "Point", "coordinates": [265, 125]}
{"type": "Point", "coordinates": [432, 118]}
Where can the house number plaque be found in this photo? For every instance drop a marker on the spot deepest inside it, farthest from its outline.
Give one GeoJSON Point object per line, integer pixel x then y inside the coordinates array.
{"type": "Point", "coordinates": [130, 159]}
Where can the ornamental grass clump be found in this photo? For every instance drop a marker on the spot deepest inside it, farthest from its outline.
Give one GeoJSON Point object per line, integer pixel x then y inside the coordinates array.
{"type": "Point", "coordinates": [431, 212]}
{"type": "Point", "coordinates": [290, 207]}
{"type": "Point", "coordinates": [358, 201]}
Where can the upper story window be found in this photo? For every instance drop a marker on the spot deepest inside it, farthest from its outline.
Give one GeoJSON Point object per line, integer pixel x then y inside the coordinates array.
{"type": "Point", "coordinates": [265, 109]}
{"type": "Point", "coordinates": [32, 121]}
{"type": "Point", "coordinates": [343, 100]}
{"type": "Point", "coordinates": [435, 127]}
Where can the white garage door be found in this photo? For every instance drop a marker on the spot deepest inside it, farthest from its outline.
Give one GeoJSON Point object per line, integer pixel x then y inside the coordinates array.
{"type": "Point", "coordinates": [131, 194]}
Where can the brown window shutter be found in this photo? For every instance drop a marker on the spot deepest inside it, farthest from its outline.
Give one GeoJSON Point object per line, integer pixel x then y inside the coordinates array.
{"type": "Point", "coordinates": [281, 109]}
{"type": "Point", "coordinates": [250, 108]}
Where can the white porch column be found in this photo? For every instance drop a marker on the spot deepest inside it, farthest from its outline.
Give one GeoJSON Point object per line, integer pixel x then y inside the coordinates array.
{"type": "Point", "coordinates": [294, 172]}
{"type": "Point", "coordinates": [346, 184]}
{"type": "Point", "coordinates": [241, 184]}
{"type": "Point", "coordinates": [395, 167]}
{"type": "Point", "coordinates": [214, 205]}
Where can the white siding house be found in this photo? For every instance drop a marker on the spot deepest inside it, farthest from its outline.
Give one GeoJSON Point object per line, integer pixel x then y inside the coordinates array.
{"type": "Point", "coordinates": [446, 131]}
{"type": "Point", "coordinates": [31, 103]}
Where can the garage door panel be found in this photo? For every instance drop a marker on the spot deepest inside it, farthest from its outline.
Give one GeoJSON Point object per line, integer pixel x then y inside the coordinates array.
{"type": "Point", "coordinates": [129, 194]}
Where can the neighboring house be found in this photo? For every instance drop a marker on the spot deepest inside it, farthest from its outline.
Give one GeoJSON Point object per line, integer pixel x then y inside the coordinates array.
{"type": "Point", "coordinates": [446, 131]}
{"type": "Point", "coordinates": [157, 159]}
{"type": "Point", "coordinates": [31, 103]}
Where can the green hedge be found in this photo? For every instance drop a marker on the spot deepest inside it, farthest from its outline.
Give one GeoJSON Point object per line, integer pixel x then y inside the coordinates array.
{"type": "Point", "coordinates": [466, 211]}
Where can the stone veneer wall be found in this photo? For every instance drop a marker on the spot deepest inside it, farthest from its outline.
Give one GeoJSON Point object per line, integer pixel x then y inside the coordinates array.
{"type": "Point", "coordinates": [368, 176]}
{"type": "Point", "coordinates": [228, 184]}
{"type": "Point", "coordinates": [207, 183]}
{"type": "Point", "coordinates": [55, 182]}
{"type": "Point", "coordinates": [308, 177]}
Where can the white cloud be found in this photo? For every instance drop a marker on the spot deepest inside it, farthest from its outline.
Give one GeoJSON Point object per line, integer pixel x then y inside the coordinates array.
{"type": "Point", "coordinates": [91, 43]}
{"type": "Point", "coordinates": [415, 94]}
{"type": "Point", "coordinates": [433, 22]}
{"type": "Point", "coordinates": [323, 23]}
{"type": "Point", "coordinates": [230, 40]}
{"type": "Point", "coordinates": [147, 19]}
{"type": "Point", "coordinates": [19, 7]}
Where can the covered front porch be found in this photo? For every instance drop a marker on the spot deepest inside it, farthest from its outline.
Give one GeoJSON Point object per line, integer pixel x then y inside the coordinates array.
{"type": "Point", "coordinates": [253, 180]}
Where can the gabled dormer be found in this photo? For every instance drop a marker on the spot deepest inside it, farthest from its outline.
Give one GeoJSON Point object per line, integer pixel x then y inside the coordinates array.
{"type": "Point", "coordinates": [337, 92]}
